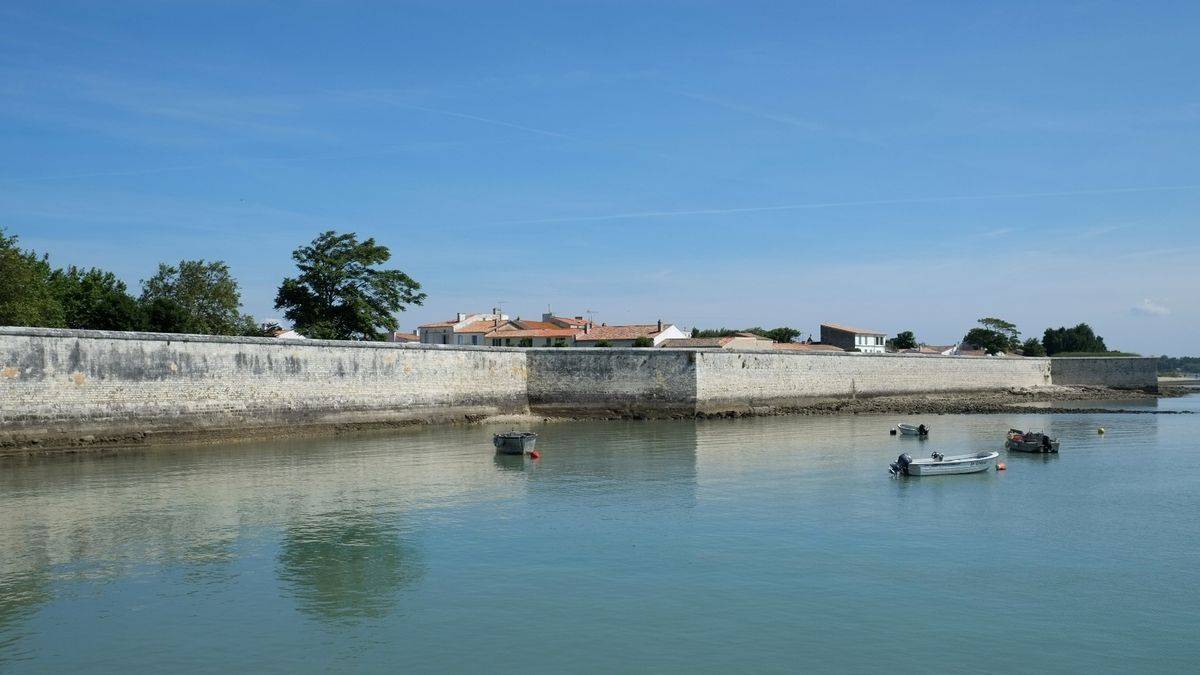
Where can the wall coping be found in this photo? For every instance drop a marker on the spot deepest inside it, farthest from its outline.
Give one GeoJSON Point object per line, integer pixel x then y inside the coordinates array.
{"type": "Point", "coordinates": [24, 331]}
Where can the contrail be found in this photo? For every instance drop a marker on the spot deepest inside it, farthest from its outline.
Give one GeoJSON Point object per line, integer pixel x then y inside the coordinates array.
{"type": "Point", "coordinates": [831, 205]}
{"type": "Point", "coordinates": [485, 120]}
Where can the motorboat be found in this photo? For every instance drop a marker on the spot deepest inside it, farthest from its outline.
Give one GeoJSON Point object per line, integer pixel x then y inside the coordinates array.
{"type": "Point", "coordinates": [514, 442]}
{"type": "Point", "coordinates": [912, 429]}
{"type": "Point", "coordinates": [940, 465]}
{"type": "Point", "coordinates": [1030, 441]}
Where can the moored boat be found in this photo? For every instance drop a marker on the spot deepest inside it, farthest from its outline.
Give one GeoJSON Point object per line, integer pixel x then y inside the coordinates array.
{"type": "Point", "coordinates": [514, 442]}
{"type": "Point", "coordinates": [940, 465]}
{"type": "Point", "coordinates": [1030, 441]}
{"type": "Point", "coordinates": [913, 429]}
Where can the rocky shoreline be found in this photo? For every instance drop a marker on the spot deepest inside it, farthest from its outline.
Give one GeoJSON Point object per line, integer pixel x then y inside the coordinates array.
{"type": "Point", "coordinates": [965, 403]}
{"type": "Point", "coordinates": [1016, 400]}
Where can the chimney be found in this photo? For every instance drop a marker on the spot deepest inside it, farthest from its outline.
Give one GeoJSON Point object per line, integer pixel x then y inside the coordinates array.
{"type": "Point", "coordinates": [660, 325]}
{"type": "Point", "coordinates": [495, 311]}
{"type": "Point", "coordinates": [461, 317]}
{"type": "Point", "coordinates": [587, 328]}
{"type": "Point", "coordinates": [547, 316]}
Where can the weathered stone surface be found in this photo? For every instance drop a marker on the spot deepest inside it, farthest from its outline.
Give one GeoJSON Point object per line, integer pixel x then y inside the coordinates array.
{"type": "Point", "coordinates": [64, 385]}
{"type": "Point", "coordinates": [74, 383]}
{"type": "Point", "coordinates": [1121, 372]}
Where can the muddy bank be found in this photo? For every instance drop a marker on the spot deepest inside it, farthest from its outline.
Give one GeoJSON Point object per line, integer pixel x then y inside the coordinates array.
{"type": "Point", "coordinates": [1011, 401]}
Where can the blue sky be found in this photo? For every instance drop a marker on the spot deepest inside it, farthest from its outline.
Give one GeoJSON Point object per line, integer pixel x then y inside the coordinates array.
{"type": "Point", "coordinates": [894, 165]}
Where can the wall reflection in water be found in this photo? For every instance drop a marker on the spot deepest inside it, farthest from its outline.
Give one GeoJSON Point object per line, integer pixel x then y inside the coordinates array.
{"type": "Point", "coordinates": [344, 565]}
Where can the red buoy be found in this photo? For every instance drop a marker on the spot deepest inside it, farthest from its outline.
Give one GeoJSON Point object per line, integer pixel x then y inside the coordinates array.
{"type": "Point", "coordinates": [1000, 466]}
{"type": "Point", "coordinates": [535, 454]}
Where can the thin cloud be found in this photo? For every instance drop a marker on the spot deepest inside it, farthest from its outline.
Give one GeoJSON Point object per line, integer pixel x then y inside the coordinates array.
{"type": "Point", "coordinates": [1150, 308]}
{"type": "Point", "coordinates": [454, 113]}
{"type": "Point", "coordinates": [755, 112]}
{"type": "Point", "coordinates": [830, 205]}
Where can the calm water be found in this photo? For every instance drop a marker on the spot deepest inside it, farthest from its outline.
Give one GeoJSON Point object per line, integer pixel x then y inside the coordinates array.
{"type": "Point", "coordinates": [775, 544]}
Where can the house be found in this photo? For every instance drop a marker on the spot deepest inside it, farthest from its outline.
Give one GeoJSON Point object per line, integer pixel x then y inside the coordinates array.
{"type": "Point", "coordinates": [624, 336]}
{"type": "Point", "coordinates": [738, 342]}
{"type": "Point", "coordinates": [565, 321]}
{"type": "Point", "coordinates": [849, 339]}
{"type": "Point", "coordinates": [463, 329]}
{"type": "Point", "coordinates": [397, 336]}
{"type": "Point", "coordinates": [518, 333]}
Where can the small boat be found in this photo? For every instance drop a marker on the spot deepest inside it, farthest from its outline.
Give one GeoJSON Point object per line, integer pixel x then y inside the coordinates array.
{"type": "Point", "coordinates": [940, 465]}
{"type": "Point", "coordinates": [1030, 441]}
{"type": "Point", "coordinates": [913, 429]}
{"type": "Point", "coordinates": [514, 442]}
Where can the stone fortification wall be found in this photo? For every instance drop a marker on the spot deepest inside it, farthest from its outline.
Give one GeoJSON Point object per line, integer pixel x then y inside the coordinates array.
{"type": "Point", "coordinates": [747, 381]}
{"type": "Point", "coordinates": [1116, 372]}
{"type": "Point", "coordinates": [60, 383]}
{"type": "Point", "coordinates": [609, 381]}
{"type": "Point", "coordinates": [64, 384]}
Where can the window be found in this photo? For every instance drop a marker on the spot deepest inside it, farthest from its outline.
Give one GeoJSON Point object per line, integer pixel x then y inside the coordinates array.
{"type": "Point", "coordinates": [474, 339]}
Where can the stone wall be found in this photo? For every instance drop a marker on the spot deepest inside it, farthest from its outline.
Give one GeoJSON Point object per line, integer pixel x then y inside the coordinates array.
{"type": "Point", "coordinates": [1116, 372]}
{"type": "Point", "coordinates": [612, 381]}
{"type": "Point", "coordinates": [63, 384]}
{"type": "Point", "coordinates": [59, 383]}
{"type": "Point", "coordinates": [746, 380]}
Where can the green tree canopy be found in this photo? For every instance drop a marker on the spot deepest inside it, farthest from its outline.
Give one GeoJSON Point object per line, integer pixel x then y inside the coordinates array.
{"type": "Point", "coordinates": [1081, 338]}
{"type": "Point", "coordinates": [994, 336]}
{"type": "Point", "coordinates": [643, 341]}
{"type": "Point", "coordinates": [97, 300]}
{"type": "Point", "coordinates": [341, 294]}
{"type": "Point", "coordinates": [781, 334]}
{"type": "Point", "coordinates": [27, 293]}
{"type": "Point", "coordinates": [195, 297]}
{"type": "Point", "coordinates": [1033, 347]}
{"type": "Point", "coordinates": [903, 340]}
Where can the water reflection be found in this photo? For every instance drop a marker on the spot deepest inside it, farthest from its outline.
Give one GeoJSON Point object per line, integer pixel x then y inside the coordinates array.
{"type": "Point", "coordinates": [346, 565]}
{"type": "Point", "coordinates": [510, 462]}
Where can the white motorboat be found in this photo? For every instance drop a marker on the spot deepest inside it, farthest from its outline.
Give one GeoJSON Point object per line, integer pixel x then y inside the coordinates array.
{"type": "Point", "coordinates": [940, 465]}
{"type": "Point", "coordinates": [912, 429]}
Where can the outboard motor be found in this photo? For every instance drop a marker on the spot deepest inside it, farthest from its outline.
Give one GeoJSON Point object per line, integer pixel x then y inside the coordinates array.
{"type": "Point", "coordinates": [900, 466]}
{"type": "Point", "coordinates": [922, 430]}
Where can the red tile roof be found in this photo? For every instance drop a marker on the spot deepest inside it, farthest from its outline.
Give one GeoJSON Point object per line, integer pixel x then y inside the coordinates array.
{"type": "Point", "coordinates": [479, 327]}
{"type": "Point", "coordinates": [697, 342]}
{"type": "Point", "coordinates": [438, 324]}
{"type": "Point", "coordinates": [534, 332]}
{"type": "Point", "coordinates": [805, 347]}
{"type": "Point", "coordinates": [630, 332]}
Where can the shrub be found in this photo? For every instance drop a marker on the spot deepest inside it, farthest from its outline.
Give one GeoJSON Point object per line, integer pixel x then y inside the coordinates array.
{"type": "Point", "coordinates": [643, 341]}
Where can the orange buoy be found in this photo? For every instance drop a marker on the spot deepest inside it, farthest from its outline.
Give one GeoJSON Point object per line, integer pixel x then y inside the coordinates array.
{"type": "Point", "coordinates": [1000, 466]}
{"type": "Point", "coordinates": [535, 454]}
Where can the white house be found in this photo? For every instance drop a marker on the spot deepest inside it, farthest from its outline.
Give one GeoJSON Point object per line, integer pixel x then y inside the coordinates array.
{"type": "Point", "coordinates": [848, 338]}
{"type": "Point", "coordinates": [463, 329]}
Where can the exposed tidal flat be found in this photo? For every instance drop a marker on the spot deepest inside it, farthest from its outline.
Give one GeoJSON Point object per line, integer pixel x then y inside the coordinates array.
{"type": "Point", "coordinates": [754, 544]}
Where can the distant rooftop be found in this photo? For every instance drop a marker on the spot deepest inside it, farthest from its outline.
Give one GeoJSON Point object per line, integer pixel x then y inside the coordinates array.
{"type": "Point", "coordinates": [851, 329]}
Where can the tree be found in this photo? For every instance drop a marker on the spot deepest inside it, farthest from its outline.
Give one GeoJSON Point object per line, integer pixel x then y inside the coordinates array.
{"type": "Point", "coordinates": [643, 341]}
{"type": "Point", "coordinates": [195, 297]}
{"type": "Point", "coordinates": [1033, 347]}
{"type": "Point", "coordinates": [27, 294]}
{"type": "Point", "coordinates": [903, 340]}
{"type": "Point", "coordinates": [995, 336]}
{"type": "Point", "coordinates": [341, 294]}
{"type": "Point", "coordinates": [782, 334]}
{"type": "Point", "coordinates": [97, 300]}
{"type": "Point", "coordinates": [606, 343]}
{"type": "Point", "coordinates": [525, 342]}
{"type": "Point", "coordinates": [1081, 338]}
